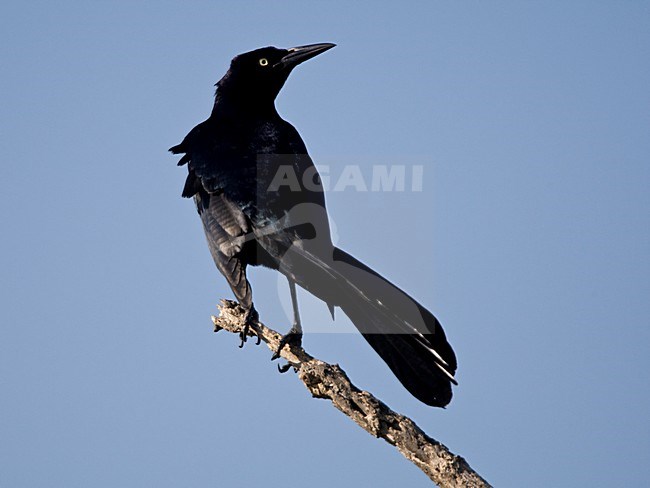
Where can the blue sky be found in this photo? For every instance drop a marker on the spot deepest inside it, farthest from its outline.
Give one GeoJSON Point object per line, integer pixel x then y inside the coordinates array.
{"type": "Point", "coordinates": [529, 241]}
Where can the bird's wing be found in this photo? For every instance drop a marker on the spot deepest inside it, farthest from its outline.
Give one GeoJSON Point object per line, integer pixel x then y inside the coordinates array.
{"type": "Point", "coordinates": [226, 226]}
{"type": "Point", "coordinates": [226, 230]}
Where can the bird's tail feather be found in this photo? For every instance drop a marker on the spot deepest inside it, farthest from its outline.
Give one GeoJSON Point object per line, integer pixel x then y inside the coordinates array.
{"type": "Point", "coordinates": [404, 334]}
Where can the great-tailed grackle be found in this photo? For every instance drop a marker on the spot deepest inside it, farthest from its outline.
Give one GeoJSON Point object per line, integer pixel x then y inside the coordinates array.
{"type": "Point", "coordinates": [244, 164]}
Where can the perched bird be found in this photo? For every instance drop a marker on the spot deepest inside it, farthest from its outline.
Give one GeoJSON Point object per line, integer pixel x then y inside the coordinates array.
{"type": "Point", "coordinates": [261, 202]}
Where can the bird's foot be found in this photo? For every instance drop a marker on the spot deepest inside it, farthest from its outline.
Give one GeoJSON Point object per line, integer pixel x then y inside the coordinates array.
{"type": "Point", "coordinates": [250, 322]}
{"type": "Point", "coordinates": [293, 338]}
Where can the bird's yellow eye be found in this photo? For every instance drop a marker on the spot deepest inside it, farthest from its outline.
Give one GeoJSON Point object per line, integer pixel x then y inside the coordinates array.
{"type": "Point", "coordinates": [264, 62]}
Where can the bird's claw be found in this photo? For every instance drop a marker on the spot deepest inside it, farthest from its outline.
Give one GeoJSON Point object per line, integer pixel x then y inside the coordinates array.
{"type": "Point", "coordinates": [293, 337]}
{"type": "Point", "coordinates": [250, 320]}
{"type": "Point", "coordinates": [287, 367]}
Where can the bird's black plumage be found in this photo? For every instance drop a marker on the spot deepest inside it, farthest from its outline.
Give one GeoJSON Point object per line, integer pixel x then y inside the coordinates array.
{"type": "Point", "coordinates": [261, 202]}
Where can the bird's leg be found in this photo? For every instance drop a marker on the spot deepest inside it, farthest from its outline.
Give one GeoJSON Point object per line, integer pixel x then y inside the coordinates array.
{"type": "Point", "coordinates": [294, 336]}
{"type": "Point", "coordinates": [250, 319]}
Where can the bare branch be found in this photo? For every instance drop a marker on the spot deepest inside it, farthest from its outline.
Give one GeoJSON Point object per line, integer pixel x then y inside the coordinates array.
{"type": "Point", "coordinates": [329, 381]}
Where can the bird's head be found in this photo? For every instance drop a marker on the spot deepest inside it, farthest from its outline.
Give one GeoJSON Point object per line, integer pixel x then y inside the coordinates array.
{"type": "Point", "coordinates": [257, 76]}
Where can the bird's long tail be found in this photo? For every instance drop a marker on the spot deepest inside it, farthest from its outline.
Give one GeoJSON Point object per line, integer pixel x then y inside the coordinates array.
{"type": "Point", "coordinates": [405, 334]}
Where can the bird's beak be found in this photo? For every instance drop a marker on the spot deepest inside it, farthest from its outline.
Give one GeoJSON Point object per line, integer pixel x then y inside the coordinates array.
{"type": "Point", "coordinates": [300, 54]}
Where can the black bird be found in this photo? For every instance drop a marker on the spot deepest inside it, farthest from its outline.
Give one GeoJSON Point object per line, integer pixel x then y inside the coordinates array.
{"type": "Point", "coordinates": [261, 202]}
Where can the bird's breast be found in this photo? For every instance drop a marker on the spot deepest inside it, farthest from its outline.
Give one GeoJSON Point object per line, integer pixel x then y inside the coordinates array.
{"type": "Point", "coordinates": [265, 139]}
